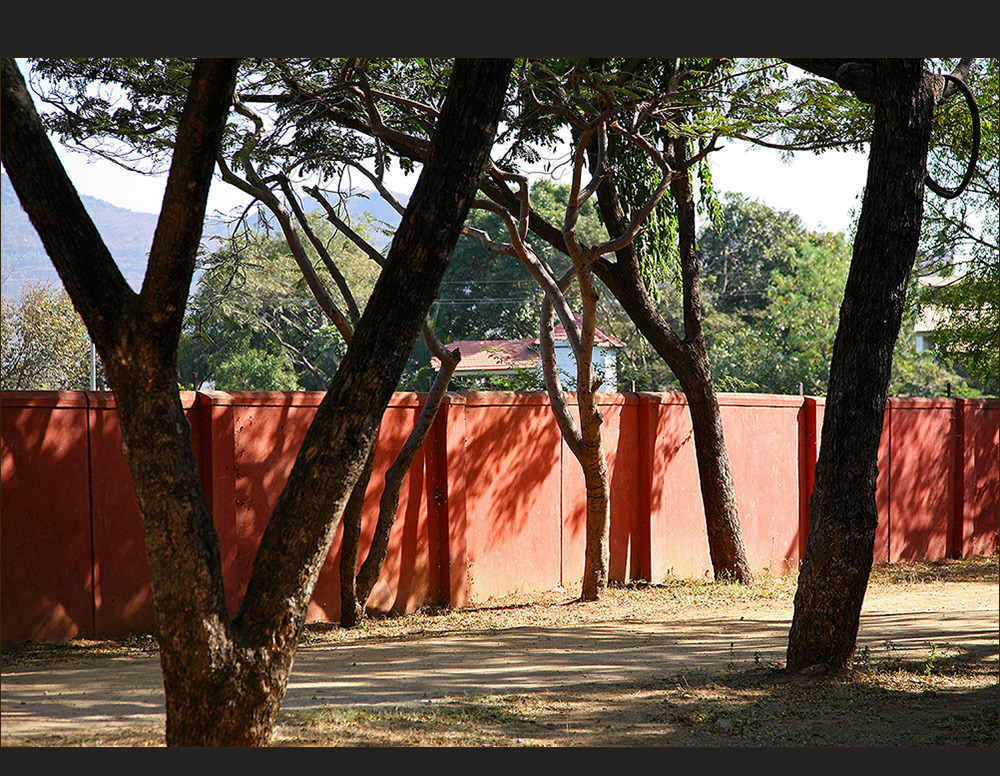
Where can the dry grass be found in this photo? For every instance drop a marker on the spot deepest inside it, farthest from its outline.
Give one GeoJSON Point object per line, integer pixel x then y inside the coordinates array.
{"type": "Point", "coordinates": [942, 698]}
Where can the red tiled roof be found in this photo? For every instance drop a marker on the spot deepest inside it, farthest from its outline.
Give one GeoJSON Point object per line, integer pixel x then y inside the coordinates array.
{"type": "Point", "coordinates": [601, 337]}
{"type": "Point", "coordinates": [492, 355]}
{"type": "Point", "coordinates": [508, 355]}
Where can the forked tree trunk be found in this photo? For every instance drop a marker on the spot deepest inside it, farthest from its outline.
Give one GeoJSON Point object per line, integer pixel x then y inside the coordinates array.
{"type": "Point", "coordinates": [842, 511]}
{"type": "Point", "coordinates": [225, 681]}
{"type": "Point", "coordinates": [686, 357]}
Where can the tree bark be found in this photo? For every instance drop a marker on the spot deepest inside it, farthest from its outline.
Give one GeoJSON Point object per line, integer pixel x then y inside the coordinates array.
{"type": "Point", "coordinates": [842, 511]}
{"type": "Point", "coordinates": [592, 460]}
{"type": "Point", "coordinates": [225, 681]}
{"type": "Point", "coordinates": [351, 605]}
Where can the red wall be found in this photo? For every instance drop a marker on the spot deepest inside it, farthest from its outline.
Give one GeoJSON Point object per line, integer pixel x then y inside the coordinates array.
{"type": "Point", "coordinates": [493, 503]}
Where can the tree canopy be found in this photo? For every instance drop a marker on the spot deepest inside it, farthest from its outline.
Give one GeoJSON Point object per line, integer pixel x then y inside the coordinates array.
{"type": "Point", "coordinates": [960, 238]}
{"type": "Point", "coordinates": [45, 346]}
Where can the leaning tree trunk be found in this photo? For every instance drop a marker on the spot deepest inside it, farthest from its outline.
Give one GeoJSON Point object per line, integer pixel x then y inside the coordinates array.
{"type": "Point", "coordinates": [842, 511]}
{"type": "Point", "coordinates": [722, 519]}
{"type": "Point", "coordinates": [370, 570]}
{"type": "Point", "coordinates": [688, 359]}
{"type": "Point", "coordinates": [351, 606]}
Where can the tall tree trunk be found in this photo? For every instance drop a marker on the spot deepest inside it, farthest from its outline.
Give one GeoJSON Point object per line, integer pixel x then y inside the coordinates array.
{"type": "Point", "coordinates": [592, 460]}
{"type": "Point", "coordinates": [688, 359]}
{"type": "Point", "coordinates": [842, 511]}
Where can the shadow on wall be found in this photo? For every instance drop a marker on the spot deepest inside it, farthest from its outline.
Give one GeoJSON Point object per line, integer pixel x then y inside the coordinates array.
{"type": "Point", "coordinates": [493, 504]}
{"type": "Point", "coordinates": [45, 452]}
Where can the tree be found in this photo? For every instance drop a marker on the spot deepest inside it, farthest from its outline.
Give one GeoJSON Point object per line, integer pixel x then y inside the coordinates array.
{"type": "Point", "coordinates": [598, 102]}
{"type": "Point", "coordinates": [773, 295]}
{"type": "Point", "coordinates": [253, 304]}
{"type": "Point", "coordinates": [741, 253]}
{"type": "Point", "coordinates": [639, 266]}
{"type": "Point", "coordinates": [395, 134]}
{"type": "Point", "coordinates": [225, 678]}
{"type": "Point", "coordinates": [960, 235]}
{"type": "Point", "coordinates": [842, 512]}
{"type": "Point", "coordinates": [686, 354]}
{"type": "Point", "coordinates": [274, 154]}
{"type": "Point", "coordinates": [45, 345]}
{"type": "Point", "coordinates": [774, 289]}
{"type": "Point", "coordinates": [785, 346]}
{"type": "Point", "coordinates": [485, 295]}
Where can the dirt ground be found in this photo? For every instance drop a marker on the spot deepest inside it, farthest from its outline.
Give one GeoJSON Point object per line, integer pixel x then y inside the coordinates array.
{"type": "Point", "coordinates": [678, 664]}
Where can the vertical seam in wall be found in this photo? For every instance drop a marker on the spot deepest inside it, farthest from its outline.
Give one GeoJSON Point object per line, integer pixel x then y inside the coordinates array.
{"type": "Point", "coordinates": [955, 543]}
{"type": "Point", "coordinates": [90, 508]}
{"type": "Point", "coordinates": [889, 494]}
{"type": "Point", "coordinates": [637, 547]}
{"type": "Point", "coordinates": [562, 518]}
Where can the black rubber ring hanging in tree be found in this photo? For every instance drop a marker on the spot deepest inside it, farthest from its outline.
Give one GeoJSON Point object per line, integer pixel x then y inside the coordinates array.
{"type": "Point", "coordinates": [970, 100]}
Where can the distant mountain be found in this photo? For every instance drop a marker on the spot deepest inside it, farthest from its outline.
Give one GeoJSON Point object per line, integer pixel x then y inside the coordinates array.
{"type": "Point", "coordinates": [127, 234]}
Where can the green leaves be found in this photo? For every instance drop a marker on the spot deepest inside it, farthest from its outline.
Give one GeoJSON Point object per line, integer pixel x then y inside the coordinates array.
{"type": "Point", "coordinates": [960, 237]}
{"type": "Point", "coordinates": [125, 109]}
{"type": "Point", "coordinates": [45, 346]}
{"type": "Point", "coordinates": [254, 322]}
{"type": "Point", "coordinates": [786, 337]}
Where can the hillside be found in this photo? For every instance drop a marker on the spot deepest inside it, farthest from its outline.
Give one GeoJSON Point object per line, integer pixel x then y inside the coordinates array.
{"type": "Point", "coordinates": [127, 234]}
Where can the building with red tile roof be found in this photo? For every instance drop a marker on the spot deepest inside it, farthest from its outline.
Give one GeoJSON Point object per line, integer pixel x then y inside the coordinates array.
{"type": "Point", "coordinates": [485, 358]}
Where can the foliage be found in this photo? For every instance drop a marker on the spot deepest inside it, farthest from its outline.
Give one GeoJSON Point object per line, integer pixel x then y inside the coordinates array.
{"type": "Point", "coordinates": [785, 346]}
{"type": "Point", "coordinates": [485, 295]}
{"type": "Point", "coordinates": [960, 236]}
{"type": "Point", "coordinates": [317, 124]}
{"type": "Point", "coordinates": [253, 324]}
{"type": "Point", "coordinates": [744, 250]}
{"type": "Point", "coordinates": [256, 370]}
{"type": "Point", "coordinates": [124, 109]}
{"type": "Point", "coordinates": [520, 380]}
{"type": "Point", "coordinates": [45, 346]}
{"type": "Point", "coordinates": [773, 290]}
{"type": "Point", "coordinates": [697, 115]}
{"type": "Point", "coordinates": [801, 112]}
{"type": "Point", "coordinates": [774, 295]}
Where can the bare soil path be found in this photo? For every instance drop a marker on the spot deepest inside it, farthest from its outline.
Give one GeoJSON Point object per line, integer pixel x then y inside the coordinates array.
{"type": "Point", "coordinates": [668, 665]}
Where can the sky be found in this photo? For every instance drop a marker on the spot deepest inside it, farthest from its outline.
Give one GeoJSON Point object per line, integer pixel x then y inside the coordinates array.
{"type": "Point", "coordinates": [822, 190]}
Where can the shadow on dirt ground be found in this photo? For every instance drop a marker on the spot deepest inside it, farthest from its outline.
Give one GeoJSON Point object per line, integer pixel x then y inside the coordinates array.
{"type": "Point", "coordinates": [679, 664]}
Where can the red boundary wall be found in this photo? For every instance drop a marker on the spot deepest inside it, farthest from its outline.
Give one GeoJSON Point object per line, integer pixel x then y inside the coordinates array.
{"type": "Point", "coordinates": [494, 502]}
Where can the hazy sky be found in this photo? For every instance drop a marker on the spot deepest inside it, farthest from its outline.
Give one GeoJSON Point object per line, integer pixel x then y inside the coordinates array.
{"type": "Point", "coordinates": [822, 190]}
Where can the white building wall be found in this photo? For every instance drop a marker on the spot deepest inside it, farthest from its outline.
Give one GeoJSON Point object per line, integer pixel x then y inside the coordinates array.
{"type": "Point", "coordinates": [605, 364]}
